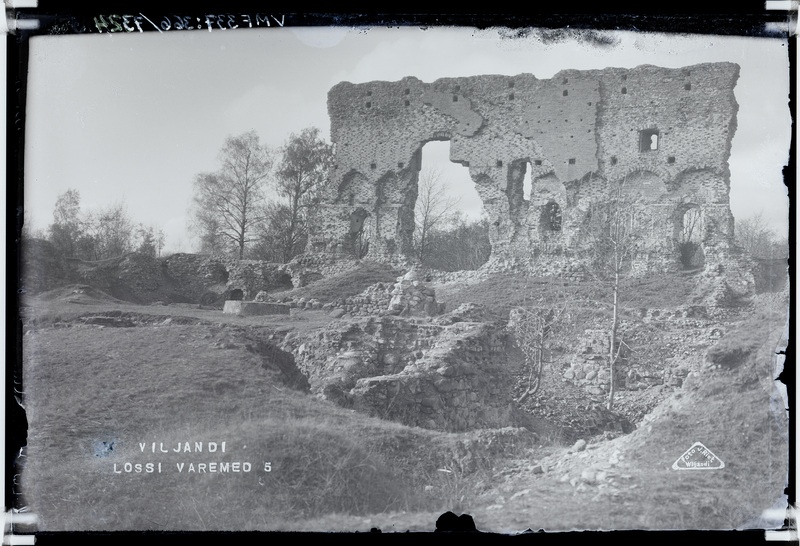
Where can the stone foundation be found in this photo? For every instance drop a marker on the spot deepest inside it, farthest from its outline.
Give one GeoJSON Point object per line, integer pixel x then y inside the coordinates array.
{"type": "Point", "coordinates": [445, 374]}
{"type": "Point", "coordinates": [254, 308]}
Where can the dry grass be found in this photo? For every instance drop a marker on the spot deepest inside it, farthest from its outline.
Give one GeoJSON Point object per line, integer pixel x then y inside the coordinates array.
{"type": "Point", "coordinates": [93, 394]}
{"type": "Point", "coordinates": [88, 388]}
{"type": "Point", "coordinates": [503, 291]}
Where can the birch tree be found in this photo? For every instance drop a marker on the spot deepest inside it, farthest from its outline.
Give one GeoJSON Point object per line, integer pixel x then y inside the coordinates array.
{"type": "Point", "coordinates": [433, 209]}
{"type": "Point", "coordinates": [229, 203]}
{"type": "Point", "coordinates": [614, 231]}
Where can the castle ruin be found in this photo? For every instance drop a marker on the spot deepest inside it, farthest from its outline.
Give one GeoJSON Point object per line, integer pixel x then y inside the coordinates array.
{"type": "Point", "coordinates": [665, 132]}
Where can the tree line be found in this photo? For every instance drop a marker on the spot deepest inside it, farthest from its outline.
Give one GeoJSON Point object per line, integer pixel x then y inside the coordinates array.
{"type": "Point", "coordinates": [98, 234]}
{"type": "Point", "coordinates": [444, 238]}
{"type": "Point", "coordinates": [258, 203]}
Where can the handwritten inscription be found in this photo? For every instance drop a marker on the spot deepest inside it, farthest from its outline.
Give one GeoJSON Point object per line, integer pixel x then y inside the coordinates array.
{"type": "Point", "coordinates": [226, 21]}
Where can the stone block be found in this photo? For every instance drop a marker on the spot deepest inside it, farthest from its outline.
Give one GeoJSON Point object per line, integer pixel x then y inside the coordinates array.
{"type": "Point", "coordinates": [254, 308]}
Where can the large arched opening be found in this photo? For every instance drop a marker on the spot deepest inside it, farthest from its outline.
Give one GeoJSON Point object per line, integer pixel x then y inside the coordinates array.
{"type": "Point", "coordinates": [450, 232]}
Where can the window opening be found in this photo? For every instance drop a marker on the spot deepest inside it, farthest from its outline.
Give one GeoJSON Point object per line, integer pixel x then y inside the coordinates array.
{"type": "Point", "coordinates": [648, 140]}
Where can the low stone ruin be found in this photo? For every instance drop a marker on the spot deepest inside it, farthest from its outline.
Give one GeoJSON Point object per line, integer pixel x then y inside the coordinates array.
{"type": "Point", "coordinates": [254, 308]}
{"type": "Point", "coordinates": [448, 373]}
{"type": "Point", "coordinates": [412, 297]}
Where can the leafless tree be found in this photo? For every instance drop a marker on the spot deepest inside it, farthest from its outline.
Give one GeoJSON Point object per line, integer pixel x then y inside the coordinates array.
{"type": "Point", "coordinates": [531, 328]}
{"type": "Point", "coordinates": [434, 209]}
{"type": "Point", "coordinates": [548, 308]}
{"type": "Point", "coordinates": [229, 203]}
{"type": "Point", "coordinates": [614, 230]}
{"type": "Point", "coordinates": [757, 239]}
{"type": "Point", "coordinates": [690, 235]}
{"type": "Point", "coordinates": [106, 233]}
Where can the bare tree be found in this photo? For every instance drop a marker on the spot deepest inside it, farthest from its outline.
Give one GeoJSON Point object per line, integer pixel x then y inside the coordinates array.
{"type": "Point", "coordinates": [531, 329]}
{"type": "Point", "coordinates": [229, 203]}
{"type": "Point", "coordinates": [532, 325]}
{"type": "Point", "coordinates": [690, 235]}
{"type": "Point", "coordinates": [434, 209]}
{"type": "Point", "coordinates": [106, 233]}
{"type": "Point", "coordinates": [614, 230]}
{"type": "Point", "coordinates": [758, 240]}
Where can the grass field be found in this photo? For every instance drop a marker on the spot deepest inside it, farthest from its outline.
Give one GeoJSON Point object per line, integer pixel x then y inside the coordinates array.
{"type": "Point", "coordinates": [94, 393]}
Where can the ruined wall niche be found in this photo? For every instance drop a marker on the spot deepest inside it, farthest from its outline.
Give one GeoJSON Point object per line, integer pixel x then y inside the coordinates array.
{"type": "Point", "coordinates": [689, 234]}
{"type": "Point", "coordinates": [358, 238]}
{"type": "Point", "coordinates": [236, 294]}
{"type": "Point", "coordinates": [354, 185]}
{"type": "Point", "coordinates": [550, 220]}
{"type": "Point", "coordinates": [668, 147]}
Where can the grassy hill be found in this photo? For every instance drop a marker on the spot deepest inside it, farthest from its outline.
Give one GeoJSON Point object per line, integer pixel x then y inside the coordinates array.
{"type": "Point", "coordinates": [102, 377]}
{"type": "Point", "coordinates": [171, 384]}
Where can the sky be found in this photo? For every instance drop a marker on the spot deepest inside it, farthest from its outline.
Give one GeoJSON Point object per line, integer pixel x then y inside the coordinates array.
{"type": "Point", "coordinates": [134, 117]}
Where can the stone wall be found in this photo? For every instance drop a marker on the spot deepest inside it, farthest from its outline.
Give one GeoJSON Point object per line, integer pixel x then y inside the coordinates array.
{"type": "Point", "coordinates": [446, 373]}
{"type": "Point", "coordinates": [665, 133]}
{"type": "Point", "coordinates": [645, 360]}
{"type": "Point", "coordinates": [192, 278]}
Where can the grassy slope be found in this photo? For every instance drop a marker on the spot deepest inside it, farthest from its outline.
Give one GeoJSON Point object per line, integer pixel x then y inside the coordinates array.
{"type": "Point", "coordinates": [734, 411]}
{"type": "Point", "coordinates": [171, 384]}
{"type": "Point", "coordinates": [503, 291]}
{"type": "Point", "coordinates": [199, 382]}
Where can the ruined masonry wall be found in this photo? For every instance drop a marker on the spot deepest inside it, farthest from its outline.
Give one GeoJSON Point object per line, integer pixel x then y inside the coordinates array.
{"type": "Point", "coordinates": [574, 133]}
{"type": "Point", "coordinates": [431, 374]}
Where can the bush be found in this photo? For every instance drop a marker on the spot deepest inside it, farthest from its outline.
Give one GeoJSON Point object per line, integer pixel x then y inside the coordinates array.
{"type": "Point", "coordinates": [465, 246]}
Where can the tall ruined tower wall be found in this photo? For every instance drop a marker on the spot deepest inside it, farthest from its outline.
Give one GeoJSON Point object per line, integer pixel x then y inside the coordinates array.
{"type": "Point", "coordinates": [665, 132]}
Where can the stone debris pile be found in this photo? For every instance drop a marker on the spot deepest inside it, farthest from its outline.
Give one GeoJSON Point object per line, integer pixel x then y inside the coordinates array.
{"type": "Point", "coordinates": [411, 296]}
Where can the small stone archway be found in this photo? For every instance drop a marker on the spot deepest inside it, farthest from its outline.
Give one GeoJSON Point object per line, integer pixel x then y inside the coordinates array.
{"type": "Point", "coordinates": [235, 294]}
{"type": "Point", "coordinates": [689, 231]}
{"type": "Point", "coordinates": [354, 187]}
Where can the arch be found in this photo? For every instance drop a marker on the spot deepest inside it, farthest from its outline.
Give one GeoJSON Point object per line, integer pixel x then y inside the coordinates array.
{"type": "Point", "coordinates": [689, 232]}
{"type": "Point", "coordinates": [701, 186]}
{"type": "Point", "coordinates": [442, 189]}
{"type": "Point", "coordinates": [353, 185]}
{"type": "Point", "coordinates": [236, 294]}
{"type": "Point", "coordinates": [643, 185]}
